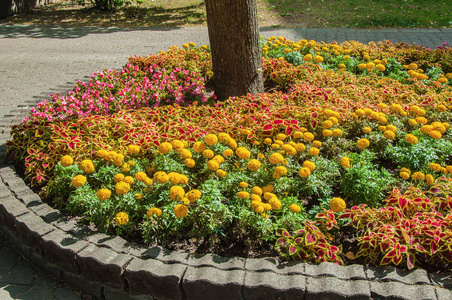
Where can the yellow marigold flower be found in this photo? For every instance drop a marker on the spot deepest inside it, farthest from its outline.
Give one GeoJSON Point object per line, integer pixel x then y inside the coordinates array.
{"type": "Point", "coordinates": [441, 108]}
{"type": "Point", "coordinates": [66, 161]}
{"type": "Point", "coordinates": [255, 198]}
{"type": "Point", "coordinates": [259, 209]}
{"type": "Point", "coordinates": [439, 126]}
{"type": "Point", "coordinates": [337, 204]}
{"type": "Point", "coordinates": [267, 189]}
{"type": "Point", "coordinates": [449, 169]}
{"type": "Point", "coordinates": [307, 57]}
{"type": "Point", "coordinates": [367, 130]}
{"type": "Point", "coordinates": [223, 137]}
{"type": "Point", "coordinates": [204, 47]}
{"type": "Point", "coordinates": [395, 107]}
{"type": "Point", "coordinates": [429, 179]}
{"type": "Point", "coordinates": [128, 179]}
{"type": "Point", "coordinates": [381, 105]}
{"type": "Point", "coordinates": [390, 135]}
{"type": "Point", "coordinates": [118, 177]}
{"type": "Point", "coordinates": [421, 112]}
{"type": "Point", "coordinates": [185, 46]}
{"type": "Point", "coordinates": [360, 112]}
{"type": "Point", "coordinates": [193, 195]}
{"type": "Point", "coordinates": [221, 173]}
{"type": "Point", "coordinates": [304, 172]}
{"type": "Point", "coordinates": [275, 203]}
{"type": "Point", "coordinates": [345, 162]}
{"type": "Point", "coordinates": [256, 190]}
{"type": "Point", "coordinates": [180, 210]}
{"type": "Point", "coordinates": [228, 153]}
{"type": "Point", "coordinates": [308, 136]}
{"type": "Point", "coordinates": [78, 180]}
{"type": "Point", "coordinates": [174, 177]}
{"type": "Point", "coordinates": [177, 145]}
{"type": "Point", "coordinates": [138, 196]}
{"type": "Point", "coordinates": [434, 166]}
{"type": "Point", "coordinates": [122, 188]}
{"type": "Point", "coordinates": [446, 125]}
{"type": "Point", "coordinates": [218, 158]}
{"type": "Point", "coordinates": [380, 67]}
{"type": "Point", "coordinates": [334, 120]}
{"type": "Point", "coordinates": [208, 153]}
{"type": "Point", "coordinates": [366, 57]}
{"type": "Point", "coordinates": [411, 139]}
{"type": "Point", "coordinates": [280, 143]}
{"type": "Point", "coordinates": [183, 179]}
{"type": "Point", "coordinates": [382, 120]}
{"type": "Point", "coordinates": [337, 132]}
{"type": "Point", "coordinates": [327, 124]}
{"type": "Point", "coordinates": [280, 170]}
{"type": "Point", "coordinates": [87, 166]}
{"type": "Point", "coordinates": [289, 149]}
{"type": "Point", "coordinates": [342, 66]}
{"type": "Point", "coordinates": [253, 165]}
{"type": "Point", "coordinates": [412, 122]}
{"type": "Point", "coordinates": [213, 165]}
{"type": "Point", "coordinates": [375, 115]}
{"type": "Point", "coordinates": [276, 158]}
{"type": "Point", "coordinates": [102, 153]}
{"type": "Point", "coordinates": [165, 148]}
{"type": "Point", "coordinates": [362, 143]}
{"type": "Point", "coordinates": [362, 66]}
{"type": "Point", "coordinates": [418, 176]}
{"type": "Point", "coordinates": [296, 135]}
{"type": "Point", "coordinates": [318, 59]}
{"type": "Point", "coordinates": [421, 120]}
{"type": "Point", "coordinates": [122, 218]}
{"type": "Point", "coordinates": [199, 147]}
{"type": "Point", "coordinates": [317, 144]}
{"type": "Point", "coordinates": [176, 193]}
{"type": "Point", "coordinates": [391, 128]}
{"type": "Point", "coordinates": [210, 139]}
{"type": "Point", "coordinates": [153, 211]}
{"type": "Point", "coordinates": [295, 208]}
{"type": "Point", "coordinates": [243, 195]}
{"type": "Point", "coordinates": [185, 153]}
{"type": "Point", "coordinates": [382, 128]}
{"type": "Point", "coordinates": [243, 153]}
{"type": "Point", "coordinates": [426, 129]}
{"type": "Point", "coordinates": [161, 177]}
{"type": "Point", "coordinates": [148, 181]}
{"type": "Point", "coordinates": [133, 149]}
{"type": "Point", "coordinates": [435, 134]}
{"type": "Point", "coordinates": [327, 133]}
{"type": "Point", "coordinates": [131, 162]}
{"type": "Point", "coordinates": [314, 151]}
{"type": "Point", "coordinates": [405, 175]}
{"type": "Point", "coordinates": [266, 206]}
{"type": "Point", "coordinates": [243, 184]}
{"type": "Point", "coordinates": [125, 168]}
{"type": "Point", "coordinates": [281, 136]}
{"type": "Point", "coordinates": [189, 162]}
{"type": "Point", "coordinates": [118, 159]}
{"type": "Point", "coordinates": [405, 170]}
{"type": "Point", "coordinates": [309, 164]}
{"type": "Point", "coordinates": [268, 141]}
{"type": "Point", "coordinates": [191, 44]}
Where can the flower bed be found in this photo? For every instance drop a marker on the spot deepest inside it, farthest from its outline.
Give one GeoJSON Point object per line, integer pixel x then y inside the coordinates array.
{"type": "Point", "coordinates": [145, 153]}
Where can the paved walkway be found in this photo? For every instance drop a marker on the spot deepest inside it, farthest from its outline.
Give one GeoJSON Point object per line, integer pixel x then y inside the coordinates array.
{"type": "Point", "coordinates": [36, 61]}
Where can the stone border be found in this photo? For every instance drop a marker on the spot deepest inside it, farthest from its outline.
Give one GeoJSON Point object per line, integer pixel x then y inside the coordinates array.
{"type": "Point", "coordinates": [109, 267]}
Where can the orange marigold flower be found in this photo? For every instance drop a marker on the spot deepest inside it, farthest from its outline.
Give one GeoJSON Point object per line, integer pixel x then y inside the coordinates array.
{"type": "Point", "coordinates": [337, 204]}
{"type": "Point", "coordinates": [66, 161]}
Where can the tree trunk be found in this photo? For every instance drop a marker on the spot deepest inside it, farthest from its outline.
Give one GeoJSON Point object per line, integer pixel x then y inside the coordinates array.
{"type": "Point", "coordinates": [236, 53]}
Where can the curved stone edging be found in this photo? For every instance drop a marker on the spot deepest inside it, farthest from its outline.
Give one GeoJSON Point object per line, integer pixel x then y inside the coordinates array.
{"type": "Point", "coordinates": [108, 267]}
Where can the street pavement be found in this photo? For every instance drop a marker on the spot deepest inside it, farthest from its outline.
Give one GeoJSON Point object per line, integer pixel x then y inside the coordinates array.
{"type": "Point", "coordinates": [36, 61]}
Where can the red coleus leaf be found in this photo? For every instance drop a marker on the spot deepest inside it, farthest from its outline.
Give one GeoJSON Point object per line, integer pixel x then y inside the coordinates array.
{"type": "Point", "coordinates": [292, 250]}
{"type": "Point", "coordinates": [310, 239]}
{"type": "Point", "coordinates": [280, 241]}
{"type": "Point", "coordinates": [282, 232]}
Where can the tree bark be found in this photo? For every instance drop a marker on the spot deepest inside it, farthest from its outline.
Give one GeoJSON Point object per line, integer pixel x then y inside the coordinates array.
{"type": "Point", "coordinates": [236, 54]}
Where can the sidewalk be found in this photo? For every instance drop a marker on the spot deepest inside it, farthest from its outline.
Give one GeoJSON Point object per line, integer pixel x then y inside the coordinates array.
{"type": "Point", "coordinates": [36, 61]}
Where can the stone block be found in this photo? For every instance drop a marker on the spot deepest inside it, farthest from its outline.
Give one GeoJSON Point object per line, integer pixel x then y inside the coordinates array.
{"type": "Point", "coordinates": [30, 199]}
{"type": "Point", "coordinates": [154, 278]}
{"type": "Point", "coordinates": [390, 273]}
{"type": "Point", "coordinates": [209, 283]}
{"type": "Point", "coordinates": [102, 265]}
{"type": "Point", "coordinates": [354, 272]}
{"type": "Point", "coordinates": [49, 214]}
{"type": "Point", "coordinates": [273, 265]}
{"type": "Point", "coordinates": [165, 255]}
{"type": "Point", "coordinates": [330, 288]}
{"type": "Point", "coordinates": [443, 294]}
{"type": "Point", "coordinates": [398, 290]}
{"type": "Point", "coordinates": [270, 285]}
{"type": "Point", "coordinates": [4, 191]}
{"type": "Point", "coordinates": [61, 248]}
{"type": "Point", "coordinates": [216, 261]}
{"type": "Point", "coordinates": [30, 228]}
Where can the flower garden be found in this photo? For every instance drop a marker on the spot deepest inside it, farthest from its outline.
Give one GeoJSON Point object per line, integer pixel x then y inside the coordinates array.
{"type": "Point", "coordinates": [346, 158]}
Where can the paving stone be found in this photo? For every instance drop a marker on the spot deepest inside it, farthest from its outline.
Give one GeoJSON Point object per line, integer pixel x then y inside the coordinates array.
{"type": "Point", "coordinates": [398, 290]}
{"type": "Point", "coordinates": [442, 279]}
{"type": "Point", "coordinates": [21, 274]}
{"type": "Point", "coordinates": [103, 265]}
{"type": "Point", "coordinates": [389, 273]}
{"type": "Point", "coordinates": [165, 255]}
{"type": "Point", "coordinates": [42, 289]}
{"type": "Point", "coordinates": [87, 286]}
{"type": "Point", "coordinates": [155, 278]}
{"type": "Point", "coordinates": [30, 228]}
{"type": "Point", "coordinates": [12, 291]}
{"type": "Point", "coordinates": [216, 261]}
{"type": "Point", "coordinates": [8, 258]}
{"type": "Point", "coordinates": [329, 288]}
{"type": "Point", "coordinates": [114, 294]}
{"type": "Point", "coordinates": [64, 293]}
{"type": "Point", "coordinates": [270, 285]}
{"type": "Point", "coordinates": [61, 248]}
{"type": "Point", "coordinates": [209, 283]}
{"type": "Point", "coordinates": [443, 294]}
{"type": "Point", "coordinates": [272, 264]}
{"type": "Point", "coordinates": [353, 272]}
